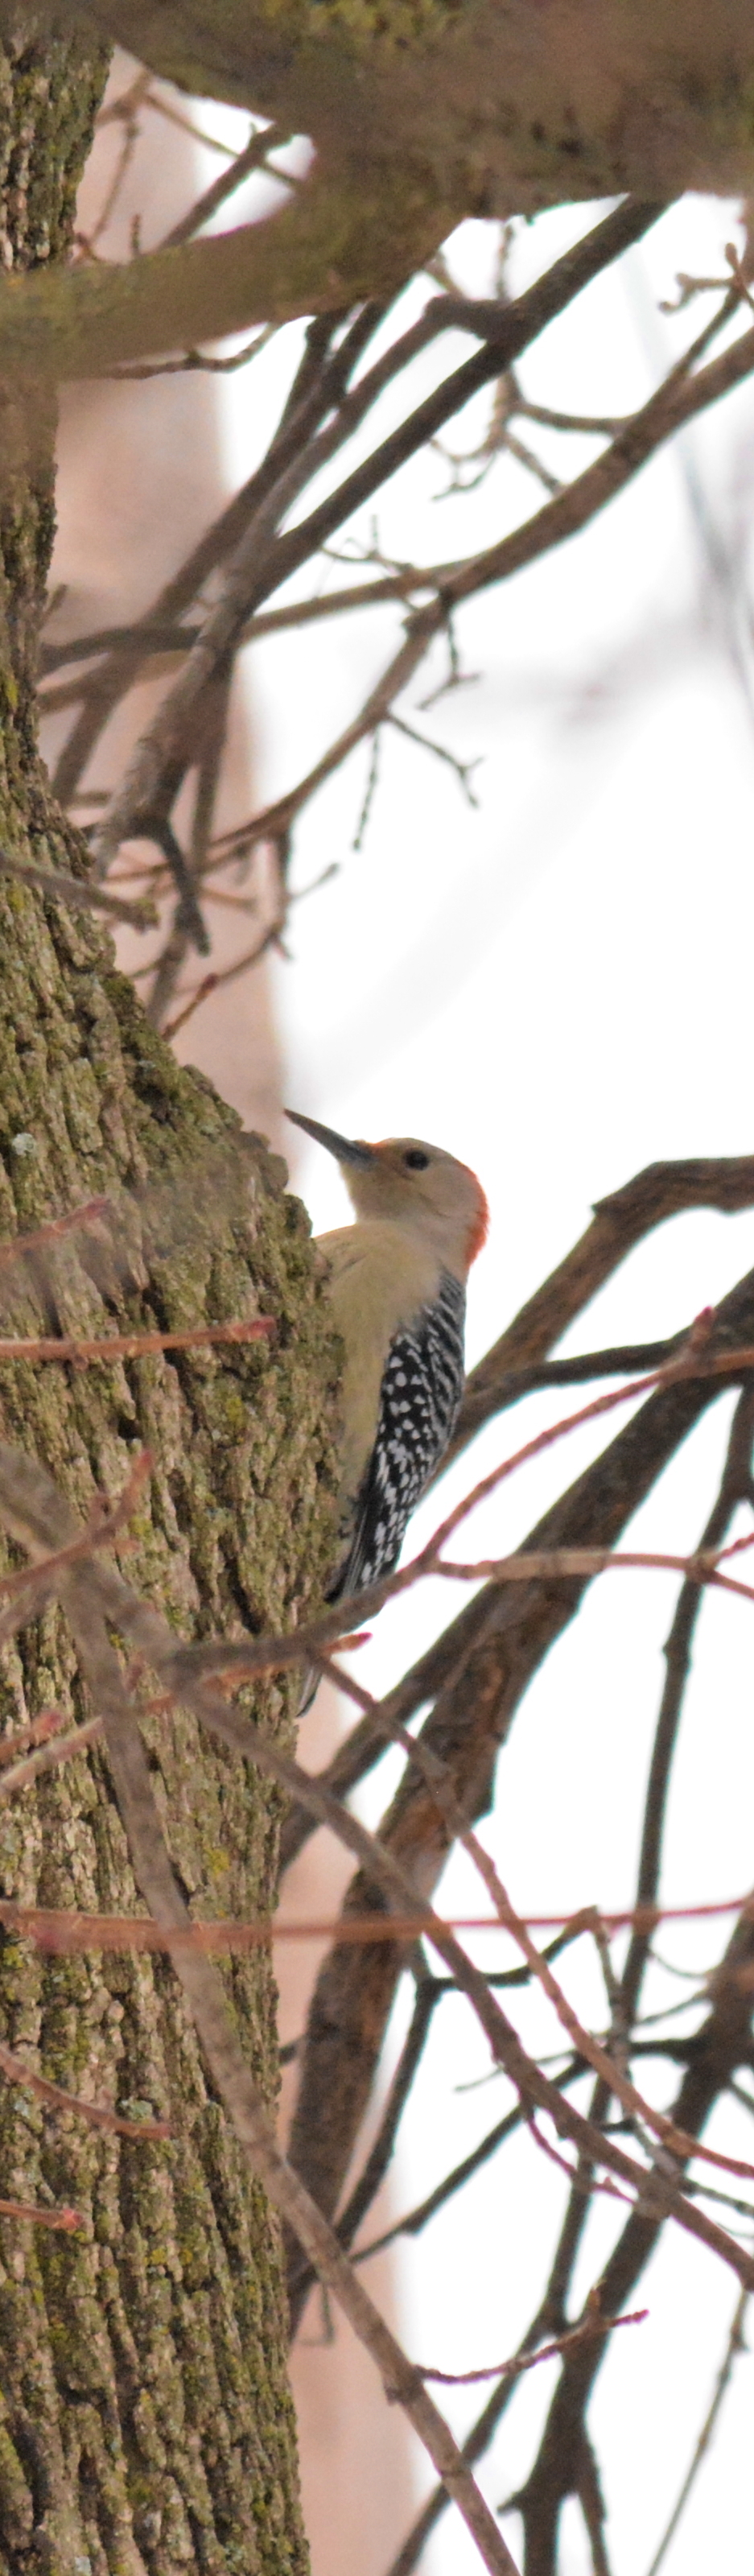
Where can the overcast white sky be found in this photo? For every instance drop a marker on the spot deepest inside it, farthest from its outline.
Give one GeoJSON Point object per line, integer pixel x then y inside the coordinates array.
{"type": "Point", "coordinates": [557, 986]}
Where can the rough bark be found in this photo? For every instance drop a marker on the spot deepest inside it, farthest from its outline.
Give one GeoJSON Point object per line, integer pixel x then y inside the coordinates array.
{"type": "Point", "coordinates": [145, 2423]}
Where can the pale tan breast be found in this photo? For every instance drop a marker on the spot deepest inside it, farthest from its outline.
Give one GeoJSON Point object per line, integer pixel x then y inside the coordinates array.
{"type": "Point", "coordinates": [380, 1278]}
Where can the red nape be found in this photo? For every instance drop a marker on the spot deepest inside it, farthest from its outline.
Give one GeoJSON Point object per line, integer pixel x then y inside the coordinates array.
{"type": "Point", "coordinates": [478, 1232]}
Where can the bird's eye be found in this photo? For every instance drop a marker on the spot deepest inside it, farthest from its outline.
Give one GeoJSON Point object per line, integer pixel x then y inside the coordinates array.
{"type": "Point", "coordinates": [416, 1161]}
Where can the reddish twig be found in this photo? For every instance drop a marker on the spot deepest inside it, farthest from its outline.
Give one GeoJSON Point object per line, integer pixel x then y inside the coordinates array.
{"type": "Point", "coordinates": [107, 1519]}
{"type": "Point", "coordinates": [227, 975]}
{"type": "Point", "coordinates": [63, 2218]}
{"type": "Point", "coordinates": [562, 1563]}
{"type": "Point", "coordinates": [592, 2324]}
{"type": "Point", "coordinates": [674, 2141]}
{"type": "Point", "coordinates": [66, 1928]}
{"type": "Point", "coordinates": [573, 2172]}
{"type": "Point", "coordinates": [268, 1654]}
{"type": "Point", "coordinates": [686, 1364]}
{"type": "Point", "coordinates": [49, 1722]}
{"type": "Point", "coordinates": [200, 994]}
{"type": "Point", "coordinates": [58, 1749]}
{"type": "Point", "coordinates": [97, 2115]}
{"type": "Point", "coordinates": [131, 1346]}
{"type": "Point", "coordinates": [14, 1246]}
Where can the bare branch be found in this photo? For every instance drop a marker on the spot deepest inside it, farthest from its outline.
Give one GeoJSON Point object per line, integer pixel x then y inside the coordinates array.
{"type": "Point", "coordinates": [262, 559]}
{"type": "Point", "coordinates": [318, 383]}
{"type": "Point", "coordinates": [493, 1649]}
{"type": "Point", "coordinates": [419, 2218]}
{"type": "Point", "coordinates": [719, 2046]}
{"type": "Point", "coordinates": [674, 2141]}
{"type": "Point", "coordinates": [618, 1224]}
{"type": "Point", "coordinates": [735, 1487]}
{"type": "Point", "coordinates": [589, 2492]}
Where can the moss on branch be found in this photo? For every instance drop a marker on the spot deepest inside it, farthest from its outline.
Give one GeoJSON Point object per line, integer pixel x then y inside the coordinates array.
{"type": "Point", "coordinates": [339, 241]}
{"type": "Point", "coordinates": [422, 111]}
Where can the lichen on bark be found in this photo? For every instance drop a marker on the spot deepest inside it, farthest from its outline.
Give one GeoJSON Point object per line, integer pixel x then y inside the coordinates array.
{"type": "Point", "coordinates": [145, 2421]}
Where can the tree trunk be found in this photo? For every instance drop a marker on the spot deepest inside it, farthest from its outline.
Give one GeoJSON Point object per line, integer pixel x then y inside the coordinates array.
{"type": "Point", "coordinates": [145, 2421]}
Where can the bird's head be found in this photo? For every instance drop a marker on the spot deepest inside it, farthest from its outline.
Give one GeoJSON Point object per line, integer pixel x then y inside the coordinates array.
{"type": "Point", "coordinates": [405, 1182]}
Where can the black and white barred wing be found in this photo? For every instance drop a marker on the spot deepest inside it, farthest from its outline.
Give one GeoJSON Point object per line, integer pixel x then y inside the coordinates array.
{"type": "Point", "coordinates": [420, 1397]}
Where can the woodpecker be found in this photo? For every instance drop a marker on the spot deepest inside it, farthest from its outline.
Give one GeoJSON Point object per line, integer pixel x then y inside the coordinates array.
{"type": "Point", "coordinates": [398, 1289]}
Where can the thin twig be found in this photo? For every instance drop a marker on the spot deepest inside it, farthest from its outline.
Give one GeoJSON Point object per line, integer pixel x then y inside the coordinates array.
{"type": "Point", "coordinates": [418, 2218]}
{"type": "Point", "coordinates": [734, 2346]}
{"type": "Point", "coordinates": [735, 1487]}
{"type": "Point", "coordinates": [674, 2141]}
{"type": "Point", "coordinates": [591, 2500]}
{"type": "Point", "coordinates": [49, 1722]}
{"type": "Point", "coordinates": [96, 2115]}
{"type": "Point", "coordinates": [679, 397]}
{"type": "Point", "coordinates": [110, 1515]}
{"type": "Point", "coordinates": [131, 1346]}
{"type": "Point", "coordinates": [194, 362]}
{"type": "Point", "coordinates": [14, 1247]}
{"type": "Point", "coordinates": [590, 2324]}
{"type": "Point", "coordinates": [266, 138]}
{"type": "Point", "coordinates": [493, 1652]}
{"type": "Point", "coordinates": [63, 2218]}
{"type": "Point", "coordinates": [264, 558]}
{"type": "Point", "coordinates": [229, 975]}
{"type": "Point", "coordinates": [61, 1748]}
{"type": "Point", "coordinates": [428, 1992]}
{"type": "Point", "coordinates": [82, 892]}
{"type": "Point", "coordinates": [67, 1928]}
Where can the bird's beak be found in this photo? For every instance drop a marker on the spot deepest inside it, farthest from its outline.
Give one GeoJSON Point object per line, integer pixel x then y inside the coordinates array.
{"type": "Point", "coordinates": [347, 1149]}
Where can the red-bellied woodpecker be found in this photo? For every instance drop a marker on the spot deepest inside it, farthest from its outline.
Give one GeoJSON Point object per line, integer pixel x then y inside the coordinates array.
{"type": "Point", "coordinates": [398, 1288]}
